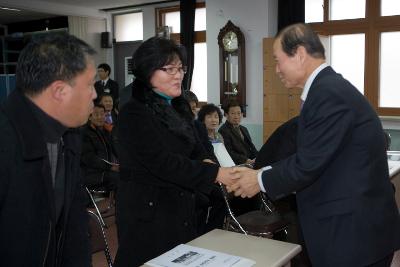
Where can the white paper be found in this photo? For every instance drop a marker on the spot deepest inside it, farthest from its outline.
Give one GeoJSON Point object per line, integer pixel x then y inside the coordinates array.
{"type": "Point", "coordinates": [190, 256]}
{"type": "Point", "coordinates": [222, 155]}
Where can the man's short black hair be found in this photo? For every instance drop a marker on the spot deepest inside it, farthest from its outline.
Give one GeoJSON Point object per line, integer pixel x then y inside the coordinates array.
{"type": "Point", "coordinates": [208, 109]}
{"type": "Point", "coordinates": [98, 105]}
{"type": "Point", "coordinates": [230, 104]}
{"type": "Point", "coordinates": [105, 67]}
{"type": "Point", "coordinates": [50, 57]}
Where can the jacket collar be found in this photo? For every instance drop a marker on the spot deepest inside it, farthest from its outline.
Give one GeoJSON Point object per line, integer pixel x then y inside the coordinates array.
{"type": "Point", "coordinates": [27, 126]}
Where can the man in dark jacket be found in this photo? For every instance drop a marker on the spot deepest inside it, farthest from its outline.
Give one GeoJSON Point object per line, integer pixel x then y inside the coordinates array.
{"type": "Point", "coordinates": [99, 163]}
{"type": "Point", "coordinates": [237, 139]}
{"type": "Point", "coordinates": [42, 209]}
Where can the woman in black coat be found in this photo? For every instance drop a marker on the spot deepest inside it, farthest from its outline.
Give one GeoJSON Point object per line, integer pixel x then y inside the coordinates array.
{"type": "Point", "coordinates": [164, 170]}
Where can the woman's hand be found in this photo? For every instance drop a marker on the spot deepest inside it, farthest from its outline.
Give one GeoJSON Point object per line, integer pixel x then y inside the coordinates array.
{"type": "Point", "coordinates": [226, 176]}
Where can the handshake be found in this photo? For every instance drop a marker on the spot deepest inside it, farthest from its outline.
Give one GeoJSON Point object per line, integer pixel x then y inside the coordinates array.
{"type": "Point", "coordinates": [242, 181]}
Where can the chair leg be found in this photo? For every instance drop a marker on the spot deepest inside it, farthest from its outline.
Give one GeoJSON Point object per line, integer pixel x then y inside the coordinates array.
{"type": "Point", "coordinates": [96, 207]}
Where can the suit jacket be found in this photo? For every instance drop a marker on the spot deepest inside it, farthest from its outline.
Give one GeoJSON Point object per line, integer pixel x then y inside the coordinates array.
{"type": "Point", "coordinates": [345, 199]}
{"type": "Point", "coordinates": [240, 150]}
{"type": "Point", "coordinates": [30, 235]}
{"type": "Point", "coordinates": [111, 88]}
{"type": "Point", "coordinates": [160, 174]}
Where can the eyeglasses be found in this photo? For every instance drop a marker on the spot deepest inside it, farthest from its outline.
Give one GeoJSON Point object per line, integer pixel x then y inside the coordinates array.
{"type": "Point", "coordinates": [174, 70]}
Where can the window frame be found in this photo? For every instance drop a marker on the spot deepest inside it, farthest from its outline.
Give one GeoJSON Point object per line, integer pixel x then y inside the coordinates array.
{"type": "Point", "coordinates": [199, 36]}
{"type": "Point", "coordinates": [372, 26]}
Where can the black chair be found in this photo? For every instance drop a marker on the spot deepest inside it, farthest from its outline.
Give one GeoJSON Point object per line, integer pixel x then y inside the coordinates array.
{"type": "Point", "coordinates": [106, 212]}
{"type": "Point", "coordinates": [266, 222]}
{"type": "Point", "coordinates": [97, 237]}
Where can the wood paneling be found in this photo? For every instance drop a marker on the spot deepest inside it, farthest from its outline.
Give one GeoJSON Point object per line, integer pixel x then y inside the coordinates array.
{"type": "Point", "coordinates": [280, 103]}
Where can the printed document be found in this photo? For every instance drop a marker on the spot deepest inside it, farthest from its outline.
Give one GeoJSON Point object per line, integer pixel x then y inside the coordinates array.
{"type": "Point", "coordinates": [190, 256]}
{"type": "Point", "coordinates": [222, 155]}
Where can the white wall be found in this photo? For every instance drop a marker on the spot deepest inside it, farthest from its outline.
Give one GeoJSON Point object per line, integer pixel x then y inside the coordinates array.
{"type": "Point", "coordinates": [257, 20]}
{"type": "Point", "coordinates": [93, 37]}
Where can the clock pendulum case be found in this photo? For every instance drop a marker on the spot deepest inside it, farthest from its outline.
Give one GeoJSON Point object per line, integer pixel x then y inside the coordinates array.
{"type": "Point", "coordinates": [232, 69]}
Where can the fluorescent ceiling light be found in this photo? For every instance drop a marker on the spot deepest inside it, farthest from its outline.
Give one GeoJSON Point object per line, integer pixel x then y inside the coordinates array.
{"type": "Point", "coordinates": [10, 9]}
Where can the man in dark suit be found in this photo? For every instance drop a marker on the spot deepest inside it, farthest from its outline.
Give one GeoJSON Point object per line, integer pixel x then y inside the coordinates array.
{"type": "Point", "coordinates": [240, 147]}
{"type": "Point", "coordinates": [237, 139]}
{"type": "Point", "coordinates": [346, 203]}
{"type": "Point", "coordinates": [42, 204]}
{"type": "Point", "coordinates": [106, 84]}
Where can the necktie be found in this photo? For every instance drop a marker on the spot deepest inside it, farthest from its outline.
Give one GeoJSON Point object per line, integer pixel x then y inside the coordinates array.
{"type": "Point", "coordinates": [109, 118]}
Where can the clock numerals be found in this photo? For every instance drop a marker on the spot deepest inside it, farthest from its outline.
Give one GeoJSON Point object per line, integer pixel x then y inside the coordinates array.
{"type": "Point", "coordinates": [230, 41]}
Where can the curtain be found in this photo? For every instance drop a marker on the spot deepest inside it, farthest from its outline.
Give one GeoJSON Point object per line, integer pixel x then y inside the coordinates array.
{"type": "Point", "coordinates": [289, 12]}
{"type": "Point", "coordinates": [78, 26]}
{"type": "Point", "coordinates": [188, 9]}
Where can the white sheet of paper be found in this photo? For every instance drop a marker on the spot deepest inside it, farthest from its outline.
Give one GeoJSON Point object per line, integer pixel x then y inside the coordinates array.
{"type": "Point", "coordinates": [190, 256]}
{"type": "Point", "coordinates": [222, 155]}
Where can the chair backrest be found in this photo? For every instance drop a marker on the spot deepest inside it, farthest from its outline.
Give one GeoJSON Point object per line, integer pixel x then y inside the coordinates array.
{"type": "Point", "coordinates": [265, 222]}
{"type": "Point", "coordinates": [97, 236]}
{"type": "Point", "coordinates": [95, 206]}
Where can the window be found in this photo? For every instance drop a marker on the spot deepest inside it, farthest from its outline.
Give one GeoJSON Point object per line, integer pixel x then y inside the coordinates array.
{"type": "Point", "coordinates": [314, 11]}
{"type": "Point", "coordinates": [345, 9]}
{"type": "Point", "coordinates": [199, 78]}
{"type": "Point", "coordinates": [128, 27]}
{"type": "Point", "coordinates": [362, 46]}
{"type": "Point", "coordinates": [347, 57]}
{"type": "Point", "coordinates": [170, 16]}
{"type": "Point", "coordinates": [389, 69]}
{"type": "Point", "coordinates": [173, 20]}
{"type": "Point", "coordinates": [390, 7]}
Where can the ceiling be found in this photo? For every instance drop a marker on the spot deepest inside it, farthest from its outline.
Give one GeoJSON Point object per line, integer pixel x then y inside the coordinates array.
{"type": "Point", "coordinates": [8, 16]}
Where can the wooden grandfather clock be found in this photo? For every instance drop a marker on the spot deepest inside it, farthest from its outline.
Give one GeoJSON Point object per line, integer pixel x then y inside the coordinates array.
{"type": "Point", "coordinates": [232, 69]}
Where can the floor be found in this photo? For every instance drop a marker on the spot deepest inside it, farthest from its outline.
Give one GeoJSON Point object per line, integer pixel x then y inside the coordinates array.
{"type": "Point", "coordinates": [99, 259]}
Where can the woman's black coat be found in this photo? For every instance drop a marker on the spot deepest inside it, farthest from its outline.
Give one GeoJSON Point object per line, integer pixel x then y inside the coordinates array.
{"type": "Point", "coordinates": [161, 175]}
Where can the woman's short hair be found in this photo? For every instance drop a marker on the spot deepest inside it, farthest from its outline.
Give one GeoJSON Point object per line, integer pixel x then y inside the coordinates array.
{"type": "Point", "coordinates": [152, 55]}
{"type": "Point", "coordinates": [207, 110]}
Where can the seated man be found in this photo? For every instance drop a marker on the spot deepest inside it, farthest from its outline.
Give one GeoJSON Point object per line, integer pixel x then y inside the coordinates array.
{"type": "Point", "coordinates": [237, 139]}
{"type": "Point", "coordinates": [111, 115]}
{"type": "Point", "coordinates": [99, 158]}
{"type": "Point", "coordinates": [238, 143]}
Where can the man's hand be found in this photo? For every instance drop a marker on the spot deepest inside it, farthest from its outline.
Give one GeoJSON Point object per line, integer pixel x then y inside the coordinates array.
{"type": "Point", "coordinates": [246, 182]}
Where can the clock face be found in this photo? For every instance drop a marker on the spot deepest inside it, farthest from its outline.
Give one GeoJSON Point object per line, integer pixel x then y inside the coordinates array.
{"type": "Point", "coordinates": [230, 41]}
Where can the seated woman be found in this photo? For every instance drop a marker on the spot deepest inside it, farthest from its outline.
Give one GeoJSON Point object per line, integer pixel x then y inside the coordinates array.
{"type": "Point", "coordinates": [99, 158]}
{"type": "Point", "coordinates": [211, 116]}
{"type": "Point", "coordinates": [163, 166]}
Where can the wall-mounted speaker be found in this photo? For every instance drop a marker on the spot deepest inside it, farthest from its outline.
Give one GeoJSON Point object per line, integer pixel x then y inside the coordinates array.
{"type": "Point", "coordinates": [106, 40]}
